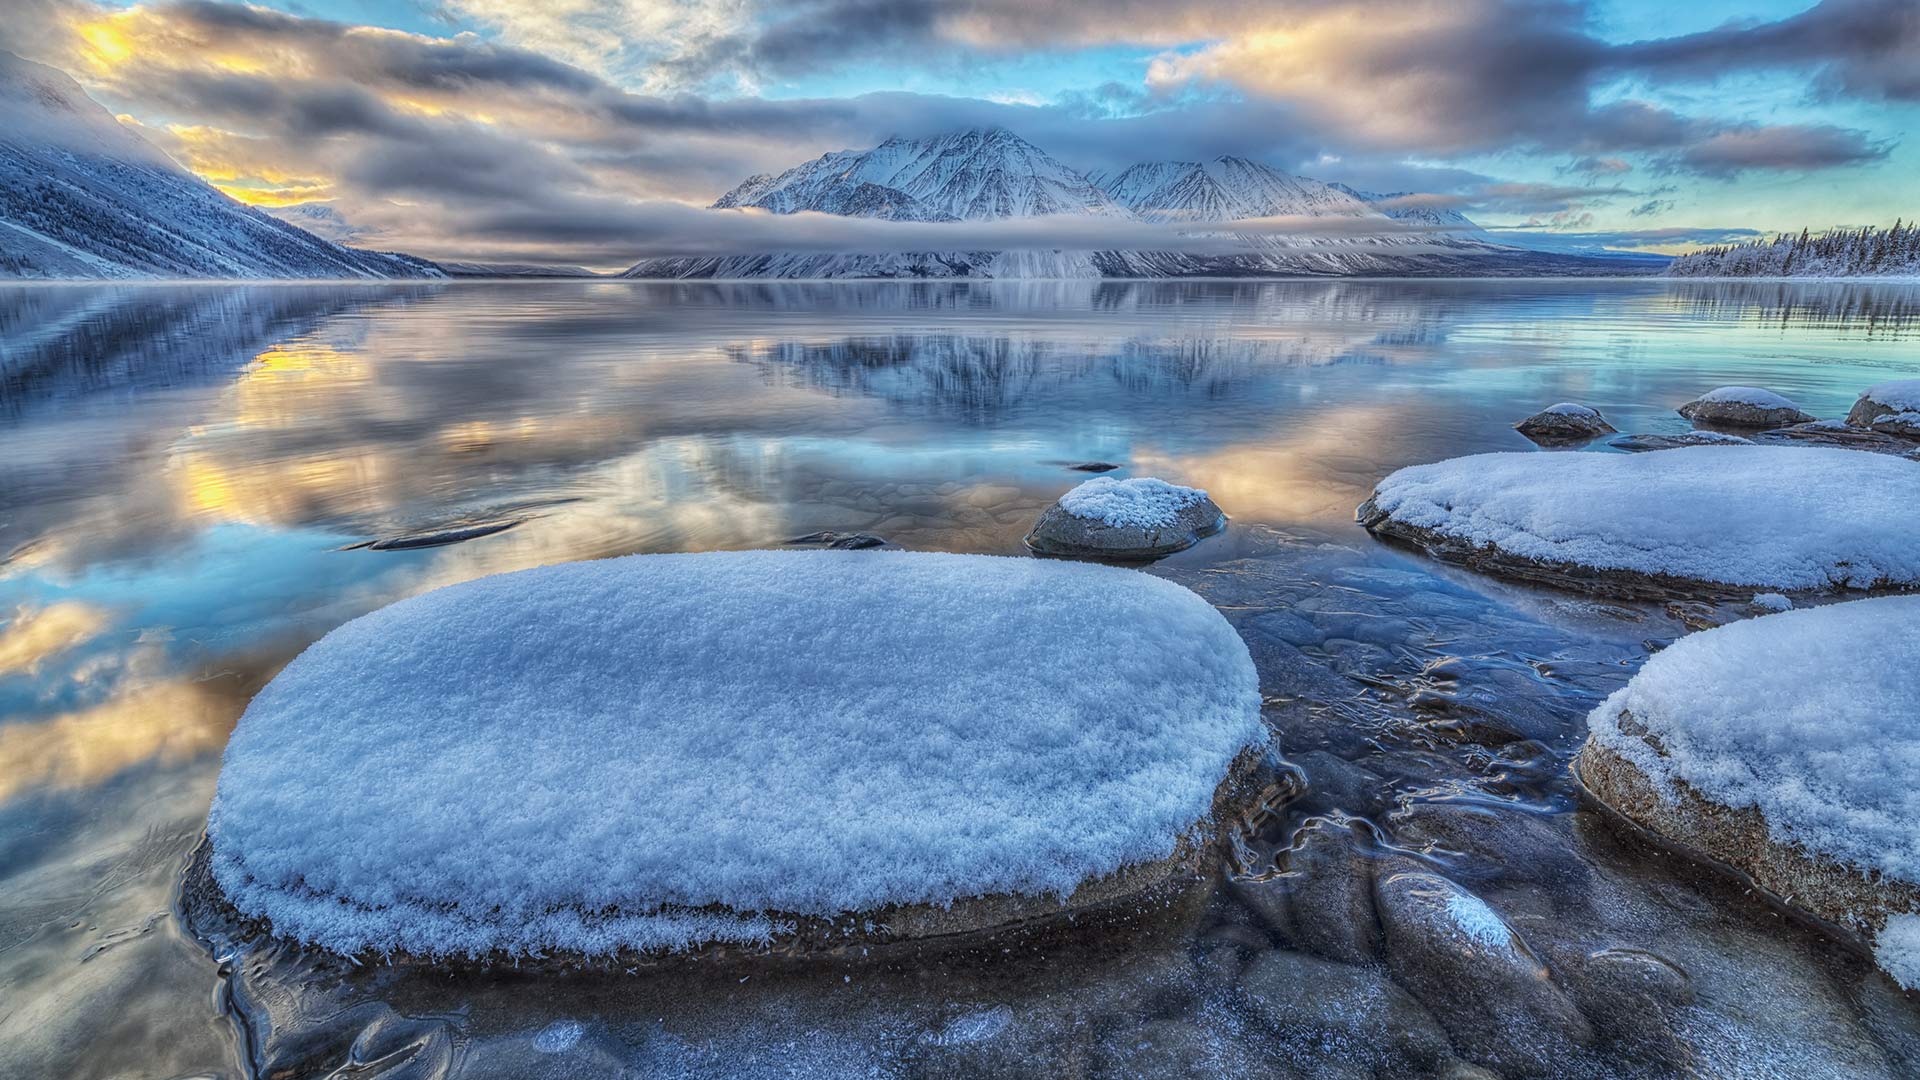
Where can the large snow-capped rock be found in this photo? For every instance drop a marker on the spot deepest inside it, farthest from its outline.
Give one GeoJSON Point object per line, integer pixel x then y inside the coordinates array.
{"type": "Point", "coordinates": [82, 196]}
{"type": "Point", "coordinates": [655, 752]}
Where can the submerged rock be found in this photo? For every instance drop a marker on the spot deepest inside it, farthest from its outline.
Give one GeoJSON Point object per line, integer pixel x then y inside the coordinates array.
{"type": "Point", "coordinates": [1896, 404]}
{"type": "Point", "coordinates": [452, 534]}
{"type": "Point", "coordinates": [1093, 466]}
{"type": "Point", "coordinates": [1744, 406]}
{"type": "Point", "coordinates": [1641, 443]}
{"type": "Point", "coordinates": [1138, 518]}
{"type": "Point", "coordinates": [1783, 748]}
{"type": "Point", "coordinates": [1352, 1010]}
{"type": "Point", "coordinates": [1565, 422]}
{"type": "Point", "coordinates": [844, 541]}
{"type": "Point", "coordinates": [1498, 1001]}
{"type": "Point", "coordinates": [1837, 434]}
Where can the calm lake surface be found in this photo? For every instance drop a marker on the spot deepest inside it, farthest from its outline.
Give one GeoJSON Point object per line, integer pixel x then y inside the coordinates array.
{"type": "Point", "coordinates": [185, 470]}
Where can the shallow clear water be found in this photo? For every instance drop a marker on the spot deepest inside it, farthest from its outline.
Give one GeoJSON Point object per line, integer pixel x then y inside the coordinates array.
{"type": "Point", "coordinates": [184, 465]}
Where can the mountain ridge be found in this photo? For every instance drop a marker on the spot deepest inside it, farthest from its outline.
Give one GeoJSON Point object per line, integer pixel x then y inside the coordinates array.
{"type": "Point", "coordinates": [83, 196]}
{"type": "Point", "coordinates": [992, 174]}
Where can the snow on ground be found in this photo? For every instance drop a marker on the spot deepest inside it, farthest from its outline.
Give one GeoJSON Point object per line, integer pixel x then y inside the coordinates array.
{"type": "Point", "coordinates": [575, 756]}
{"type": "Point", "coordinates": [1774, 517]}
{"type": "Point", "coordinates": [1141, 502]}
{"type": "Point", "coordinates": [1807, 716]}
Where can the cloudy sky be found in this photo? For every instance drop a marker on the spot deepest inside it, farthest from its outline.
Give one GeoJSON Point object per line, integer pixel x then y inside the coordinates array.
{"type": "Point", "coordinates": [567, 130]}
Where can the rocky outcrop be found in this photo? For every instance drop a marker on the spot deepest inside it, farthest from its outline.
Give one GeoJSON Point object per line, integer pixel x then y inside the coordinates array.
{"type": "Point", "coordinates": [1745, 407]}
{"type": "Point", "coordinates": [1139, 518]}
{"type": "Point", "coordinates": [1565, 422]}
{"type": "Point", "coordinates": [1896, 404]}
{"type": "Point", "coordinates": [1859, 903]}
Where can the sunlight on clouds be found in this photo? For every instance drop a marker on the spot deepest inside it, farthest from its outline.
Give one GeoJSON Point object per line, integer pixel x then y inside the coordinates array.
{"type": "Point", "coordinates": [106, 43]}
{"type": "Point", "coordinates": [169, 722]}
{"type": "Point", "coordinates": [35, 634]}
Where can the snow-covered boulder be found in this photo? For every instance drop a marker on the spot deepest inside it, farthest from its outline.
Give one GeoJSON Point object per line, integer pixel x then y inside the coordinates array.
{"type": "Point", "coordinates": [1899, 398]}
{"type": "Point", "coordinates": [1565, 422]}
{"type": "Point", "coordinates": [1904, 424]}
{"type": "Point", "coordinates": [1744, 406]}
{"type": "Point", "coordinates": [1713, 519]}
{"type": "Point", "coordinates": [1786, 748]}
{"type": "Point", "coordinates": [657, 752]}
{"type": "Point", "coordinates": [1642, 443]}
{"type": "Point", "coordinates": [1137, 518]}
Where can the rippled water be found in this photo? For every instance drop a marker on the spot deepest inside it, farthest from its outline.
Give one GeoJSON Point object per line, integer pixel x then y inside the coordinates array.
{"type": "Point", "coordinates": [183, 467]}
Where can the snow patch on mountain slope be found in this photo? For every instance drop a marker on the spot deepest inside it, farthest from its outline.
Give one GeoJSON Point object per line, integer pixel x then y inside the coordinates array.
{"type": "Point", "coordinates": [83, 196]}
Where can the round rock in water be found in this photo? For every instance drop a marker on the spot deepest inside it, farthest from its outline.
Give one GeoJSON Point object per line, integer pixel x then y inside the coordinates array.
{"type": "Point", "coordinates": [1786, 748]}
{"type": "Point", "coordinates": [1717, 520]}
{"type": "Point", "coordinates": [1744, 406]}
{"type": "Point", "coordinates": [1889, 401]}
{"type": "Point", "coordinates": [1138, 518]}
{"type": "Point", "coordinates": [658, 752]}
{"type": "Point", "coordinates": [1565, 422]}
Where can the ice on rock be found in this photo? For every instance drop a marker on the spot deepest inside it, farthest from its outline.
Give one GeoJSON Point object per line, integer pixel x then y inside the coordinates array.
{"type": "Point", "coordinates": [1770, 602]}
{"type": "Point", "coordinates": [1897, 950]}
{"type": "Point", "coordinates": [1565, 421]}
{"type": "Point", "coordinates": [1766, 517]}
{"type": "Point", "coordinates": [1138, 518]}
{"type": "Point", "coordinates": [1885, 399]}
{"type": "Point", "coordinates": [1744, 406]}
{"type": "Point", "coordinates": [1805, 718]}
{"type": "Point", "coordinates": [658, 751]}
{"type": "Point", "coordinates": [1141, 502]}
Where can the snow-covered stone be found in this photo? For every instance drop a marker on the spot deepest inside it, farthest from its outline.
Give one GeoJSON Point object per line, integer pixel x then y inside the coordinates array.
{"type": "Point", "coordinates": [1140, 517]}
{"type": "Point", "coordinates": [1785, 747]}
{"type": "Point", "coordinates": [1904, 424]}
{"type": "Point", "coordinates": [658, 751]}
{"type": "Point", "coordinates": [1770, 602]}
{"type": "Point", "coordinates": [1641, 443]}
{"type": "Point", "coordinates": [1882, 400]}
{"type": "Point", "coordinates": [1763, 517]}
{"type": "Point", "coordinates": [1744, 406]}
{"type": "Point", "coordinates": [1564, 422]}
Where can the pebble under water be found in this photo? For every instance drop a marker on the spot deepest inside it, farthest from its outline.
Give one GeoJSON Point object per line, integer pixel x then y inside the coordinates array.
{"type": "Point", "coordinates": [196, 475]}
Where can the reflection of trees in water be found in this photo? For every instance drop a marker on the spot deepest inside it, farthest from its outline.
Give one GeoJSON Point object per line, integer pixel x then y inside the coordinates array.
{"type": "Point", "coordinates": [977, 376]}
{"type": "Point", "coordinates": [1864, 309]}
{"type": "Point", "coordinates": [61, 343]}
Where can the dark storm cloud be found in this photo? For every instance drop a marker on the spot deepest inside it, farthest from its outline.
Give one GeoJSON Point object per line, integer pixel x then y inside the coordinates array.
{"type": "Point", "coordinates": [1784, 148]}
{"type": "Point", "coordinates": [1860, 48]}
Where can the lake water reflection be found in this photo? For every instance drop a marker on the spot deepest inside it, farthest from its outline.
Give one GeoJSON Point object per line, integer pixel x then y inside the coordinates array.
{"type": "Point", "coordinates": [181, 467]}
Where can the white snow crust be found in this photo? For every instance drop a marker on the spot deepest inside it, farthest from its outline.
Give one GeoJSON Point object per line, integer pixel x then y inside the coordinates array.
{"type": "Point", "coordinates": [1900, 395]}
{"type": "Point", "coordinates": [1771, 601]}
{"type": "Point", "coordinates": [1807, 716]}
{"type": "Point", "coordinates": [587, 756]}
{"type": "Point", "coordinates": [1748, 395]}
{"type": "Point", "coordinates": [1771, 517]}
{"type": "Point", "coordinates": [1897, 950]}
{"type": "Point", "coordinates": [1568, 408]}
{"type": "Point", "coordinates": [1142, 501]}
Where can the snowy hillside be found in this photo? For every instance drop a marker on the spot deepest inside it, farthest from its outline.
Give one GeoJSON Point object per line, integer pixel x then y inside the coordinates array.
{"type": "Point", "coordinates": [1398, 205]}
{"type": "Point", "coordinates": [992, 174]}
{"type": "Point", "coordinates": [81, 196]}
{"type": "Point", "coordinates": [1864, 252]}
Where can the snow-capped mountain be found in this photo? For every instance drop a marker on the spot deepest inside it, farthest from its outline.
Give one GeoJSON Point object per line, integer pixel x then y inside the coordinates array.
{"type": "Point", "coordinates": [1401, 206]}
{"type": "Point", "coordinates": [82, 196]}
{"type": "Point", "coordinates": [1226, 189]}
{"type": "Point", "coordinates": [981, 174]}
{"type": "Point", "coordinates": [992, 174]}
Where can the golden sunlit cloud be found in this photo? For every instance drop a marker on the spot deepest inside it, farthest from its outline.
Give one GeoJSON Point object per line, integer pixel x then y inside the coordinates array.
{"type": "Point", "coordinates": [168, 722]}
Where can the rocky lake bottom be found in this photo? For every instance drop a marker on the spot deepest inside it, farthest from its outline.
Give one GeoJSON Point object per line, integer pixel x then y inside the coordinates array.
{"type": "Point", "coordinates": [200, 479]}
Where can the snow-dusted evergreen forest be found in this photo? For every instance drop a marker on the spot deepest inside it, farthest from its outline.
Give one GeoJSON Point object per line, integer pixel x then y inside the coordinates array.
{"type": "Point", "coordinates": [1867, 251]}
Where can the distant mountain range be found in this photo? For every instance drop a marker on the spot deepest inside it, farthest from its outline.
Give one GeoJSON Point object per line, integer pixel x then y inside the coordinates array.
{"type": "Point", "coordinates": [992, 174]}
{"type": "Point", "coordinates": [82, 196]}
